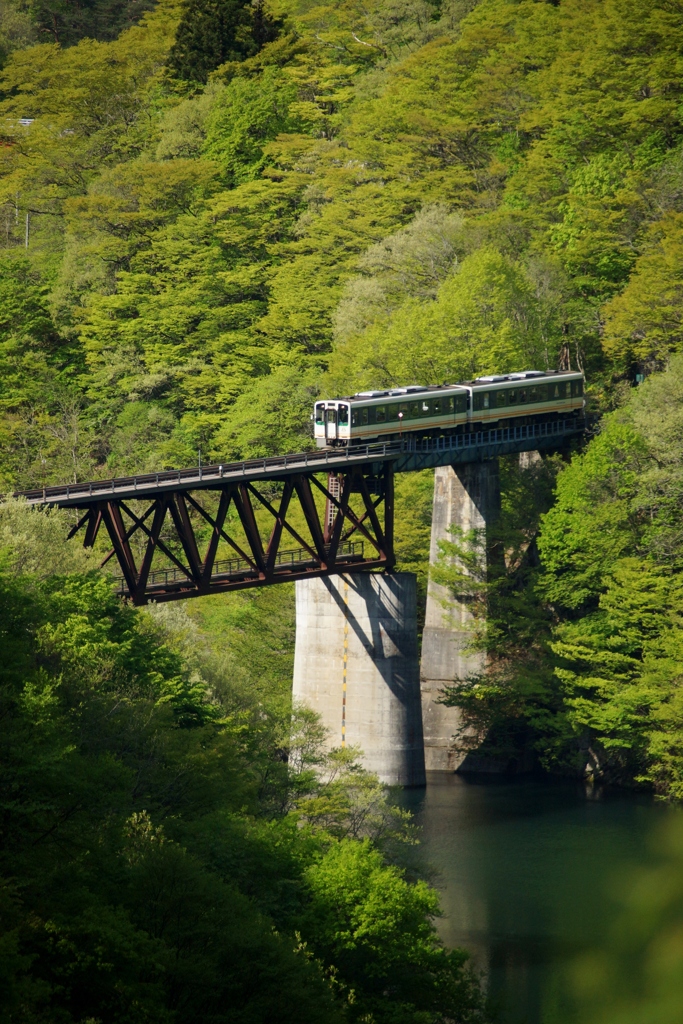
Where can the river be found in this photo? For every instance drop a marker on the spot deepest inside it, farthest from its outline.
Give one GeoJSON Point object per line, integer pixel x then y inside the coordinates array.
{"type": "Point", "coordinates": [529, 869]}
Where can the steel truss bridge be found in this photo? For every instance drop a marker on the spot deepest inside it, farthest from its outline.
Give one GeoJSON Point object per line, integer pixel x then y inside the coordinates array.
{"type": "Point", "coordinates": [179, 513]}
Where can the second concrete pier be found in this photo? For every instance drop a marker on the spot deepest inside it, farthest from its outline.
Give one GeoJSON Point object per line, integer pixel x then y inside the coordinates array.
{"type": "Point", "coordinates": [467, 498]}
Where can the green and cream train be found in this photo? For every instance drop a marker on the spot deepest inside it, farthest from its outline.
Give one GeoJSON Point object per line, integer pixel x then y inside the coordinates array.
{"type": "Point", "coordinates": [487, 402]}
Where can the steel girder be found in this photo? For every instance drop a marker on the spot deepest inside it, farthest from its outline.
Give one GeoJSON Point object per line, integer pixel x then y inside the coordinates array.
{"type": "Point", "coordinates": [175, 526]}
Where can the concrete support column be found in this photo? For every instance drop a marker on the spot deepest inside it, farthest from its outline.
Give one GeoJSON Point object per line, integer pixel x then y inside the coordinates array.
{"type": "Point", "coordinates": [356, 664]}
{"type": "Point", "coordinates": [467, 497]}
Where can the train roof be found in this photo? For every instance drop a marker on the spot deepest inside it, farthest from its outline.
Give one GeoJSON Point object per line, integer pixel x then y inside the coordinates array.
{"type": "Point", "coordinates": [418, 389]}
{"type": "Point", "coordinates": [523, 376]}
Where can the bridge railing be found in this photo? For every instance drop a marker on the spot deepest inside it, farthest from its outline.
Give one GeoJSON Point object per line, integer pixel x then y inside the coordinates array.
{"type": "Point", "coordinates": [313, 461]}
{"type": "Point", "coordinates": [256, 468]}
{"type": "Point", "coordinates": [487, 438]}
{"type": "Point", "coordinates": [227, 568]}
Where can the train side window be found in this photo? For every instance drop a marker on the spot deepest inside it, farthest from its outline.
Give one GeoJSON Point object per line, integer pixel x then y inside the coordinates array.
{"type": "Point", "coordinates": [449, 403]}
{"type": "Point", "coordinates": [485, 399]}
{"type": "Point", "coordinates": [512, 397]}
{"type": "Point", "coordinates": [320, 414]}
{"type": "Point", "coordinates": [576, 388]}
{"type": "Point", "coordinates": [533, 394]}
{"type": "Point", "coordinates": [461, 405]}
{"type": "Point", "coordinates": [414, 410]}
{"type": "Point", "coordinates": [425, 408]}
{"type": "Point", "coordinates": [392, 412]}
{"type": "Point", "coordinates": [476, 402]}
{"type": "Point", "coordinates": [556, 391]}
{"type": "Point", "coordinates": [500, 398]}
{"type": "Point", "coordinates": [354, 418]}
{"type": "Point", "coordinates": [436, 406]}
{"type": "Point", "coordinates": [371, 414]}
{"type": "Point", "coordinates": [403, 408]}
{"type": "Point", "coordinates": [364, 416]}
{"type": "Point", "coordinates": [522, 395]}
{"type": "Point", "coordinates": [381, 413]}
{"type": "Point", "coordinates": [343, 415]}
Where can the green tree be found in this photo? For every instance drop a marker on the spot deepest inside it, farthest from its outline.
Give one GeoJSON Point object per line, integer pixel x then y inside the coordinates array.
{"type": "Point", "coordinates": [373, 926]}
{"type": "Point", "coordinates": [249, 113]}
{"type": "Point", "coordinates": [612, 572]}
{"type": "Point", "coordinates": [161, 817]}
{"type": "Point", "coordinates": [217, 32]}
{"type": "Point", "coordinates": [17, 29]}
{"type": "Point", "coordinates": [643, 323]}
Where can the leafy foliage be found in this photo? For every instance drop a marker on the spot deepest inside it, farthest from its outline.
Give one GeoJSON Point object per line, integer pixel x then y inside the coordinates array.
{"type": "Point", "coordinates": [374, 176]}
{"type": "Point", "coordinates": [215, 33]}
{"type": "Point", "coordinates": [383, 193]}
{"type": "Point", "coordinates": [65, 22]}
{"type": "Point", "coordinates": [585, 643]}
{"type": "Point", "coordinates": [170, 830]}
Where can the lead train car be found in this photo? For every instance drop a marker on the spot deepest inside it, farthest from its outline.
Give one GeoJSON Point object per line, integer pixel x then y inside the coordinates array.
{"type": "Point", "coordinates": [448, 408]}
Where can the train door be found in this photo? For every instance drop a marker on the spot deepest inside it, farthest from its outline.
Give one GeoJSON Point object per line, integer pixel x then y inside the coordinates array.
{"type": "Point", "coordinates": [330, 424]}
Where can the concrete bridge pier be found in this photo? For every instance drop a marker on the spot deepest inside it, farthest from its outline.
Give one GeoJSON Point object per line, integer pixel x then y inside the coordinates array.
{"type": "Point", "coordinates": [467, 497]}
{"type": "Point", "coordinates": [356, 664]}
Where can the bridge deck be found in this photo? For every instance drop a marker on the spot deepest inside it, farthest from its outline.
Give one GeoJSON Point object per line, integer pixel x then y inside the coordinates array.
{"type": "Point", "coordinates": [407, 455]}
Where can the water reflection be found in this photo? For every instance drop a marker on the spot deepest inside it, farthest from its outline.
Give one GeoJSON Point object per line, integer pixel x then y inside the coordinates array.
{"type": "Point", "coordinates": [530, 873]}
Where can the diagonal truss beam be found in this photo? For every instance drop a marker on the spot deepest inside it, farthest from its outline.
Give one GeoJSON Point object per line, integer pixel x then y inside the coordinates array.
{"type": "Point", "coordinates": [216, 533]}
{"type": "Point", "coordinates": [245, 511]}
{"type": "Point", "coordinates": [221, 534]}
{"type": "Point", "coordinates": [347, 512]}
{"type": "Point", "coordinates": [111, 516]}
{"type": "Point", "coordinates": [177, 506]}
{"type": "Point", "coordinates": [305, 495]}
{"type": "Point", "coordinates": [91, 536]}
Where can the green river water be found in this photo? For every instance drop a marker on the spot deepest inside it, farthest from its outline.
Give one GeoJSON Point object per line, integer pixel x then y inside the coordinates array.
{"type": "Point", "coordinates": [529, 871]}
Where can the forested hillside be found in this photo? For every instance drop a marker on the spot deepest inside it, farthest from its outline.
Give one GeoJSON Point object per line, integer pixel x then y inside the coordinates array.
{"type": "Point", "coordinates": [379, 193]}
{"type": "Point", "coordinates": [211, 213]}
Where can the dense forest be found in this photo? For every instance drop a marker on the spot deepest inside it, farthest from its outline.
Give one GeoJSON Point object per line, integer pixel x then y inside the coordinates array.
{"type": "Point", "coordinates": [210, 213]}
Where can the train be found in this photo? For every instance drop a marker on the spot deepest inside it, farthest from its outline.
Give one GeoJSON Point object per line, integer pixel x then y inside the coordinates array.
{"type": "Point", "coordinates": [442, 409]}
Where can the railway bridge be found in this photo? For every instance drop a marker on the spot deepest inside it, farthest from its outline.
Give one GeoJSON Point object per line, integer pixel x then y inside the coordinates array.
{"type": "Point", "coordinates": [326, 520]}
